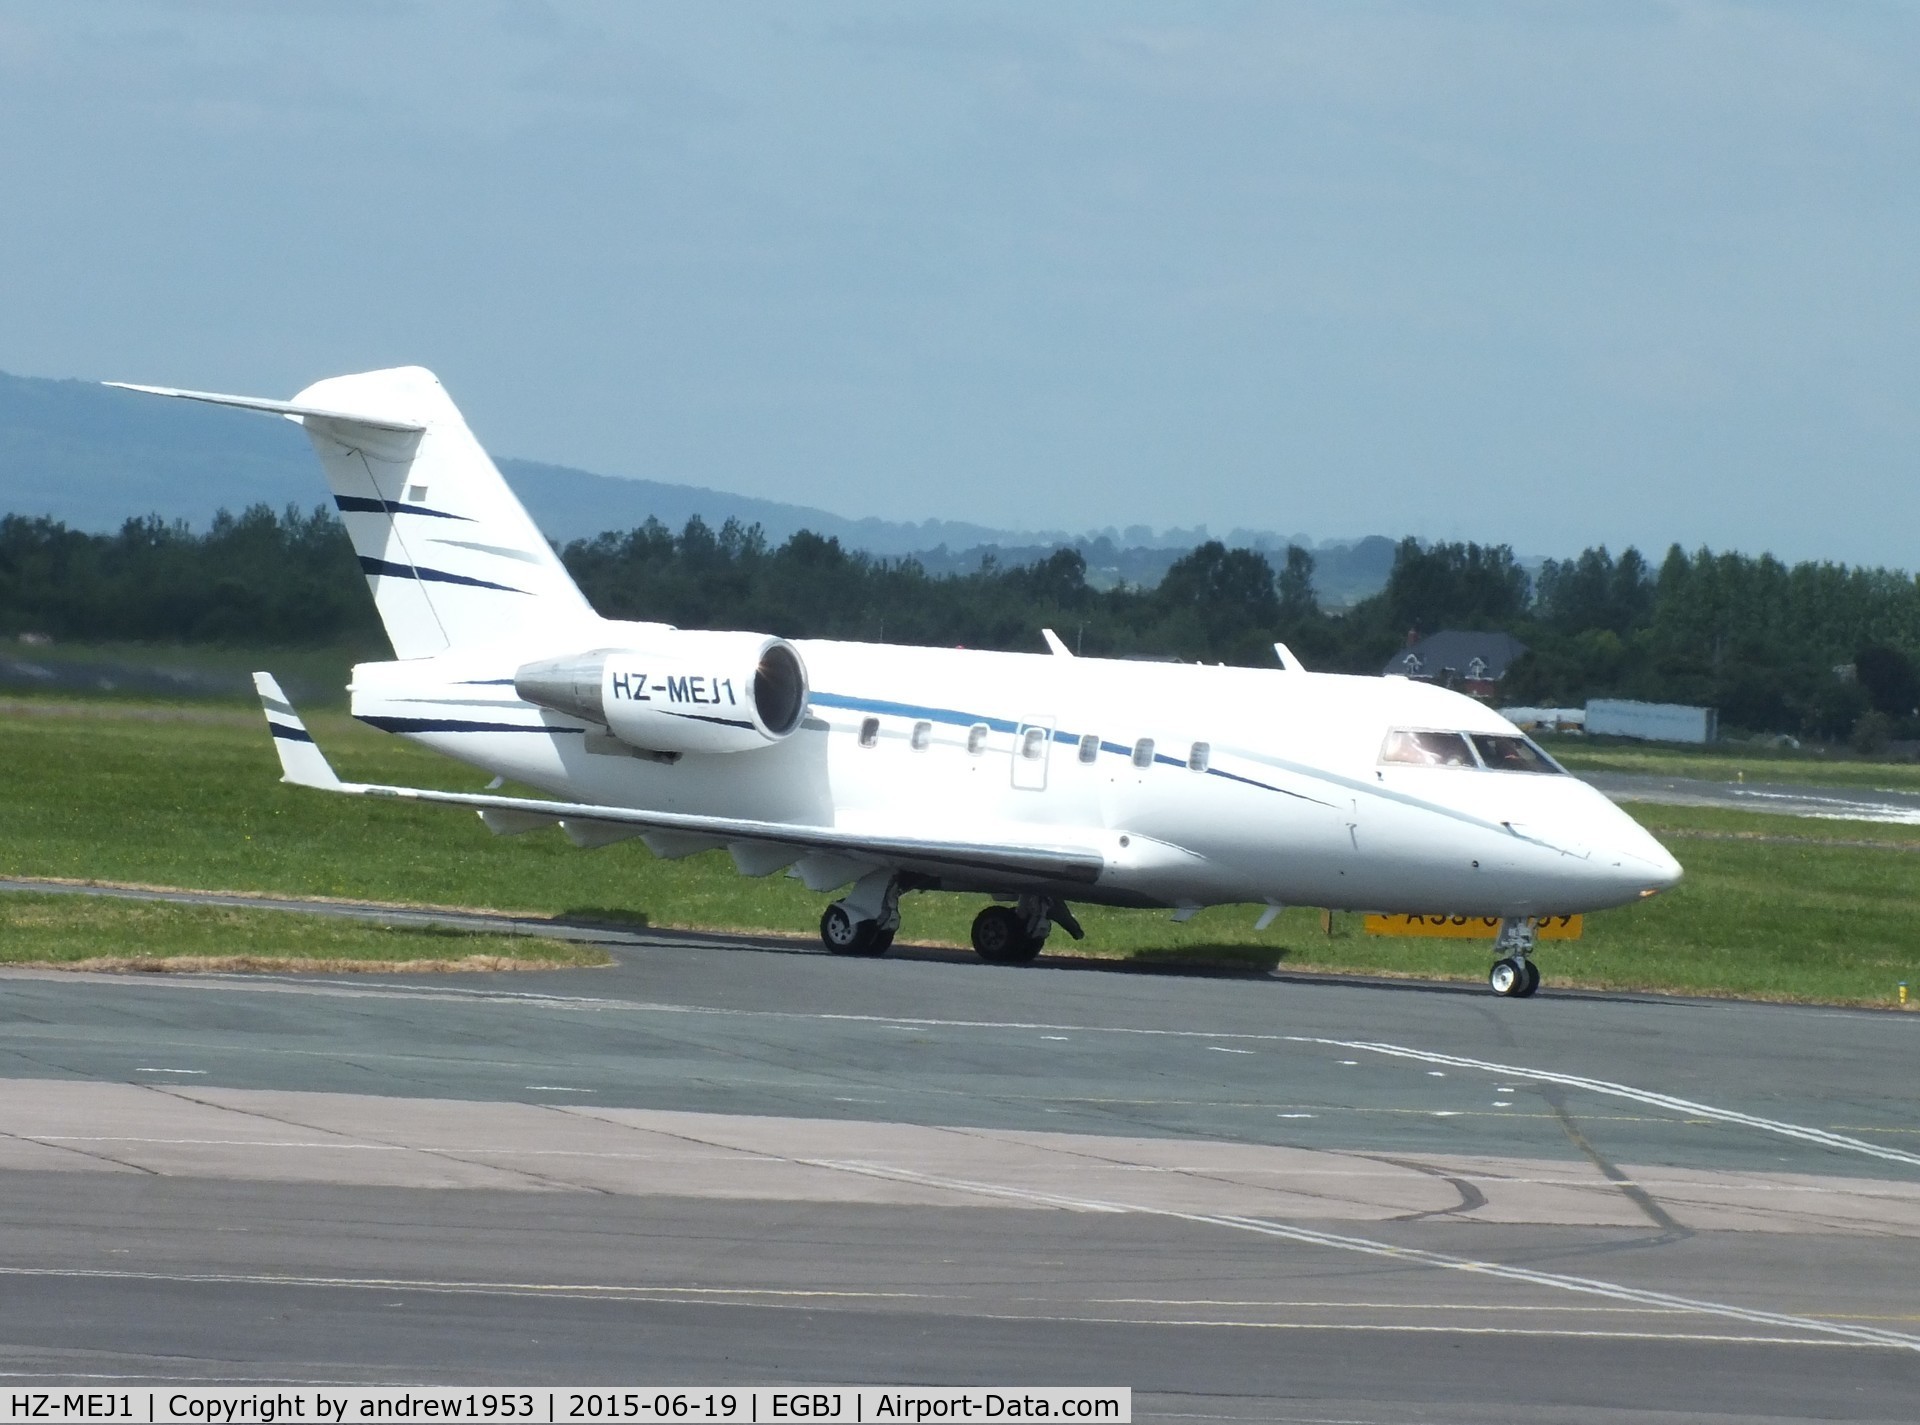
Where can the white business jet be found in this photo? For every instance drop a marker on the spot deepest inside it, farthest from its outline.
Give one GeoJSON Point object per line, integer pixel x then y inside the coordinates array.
{"type": "Point", "coordinates": [1035, 779]}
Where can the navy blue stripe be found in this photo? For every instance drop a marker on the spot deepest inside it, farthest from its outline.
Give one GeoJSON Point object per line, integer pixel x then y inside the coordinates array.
{"type": "Point", "coordinates": [946, 715]}
{"type": "Point", "coordinates": [362, 505]}
{"type": "Point", "coordinates": [432, 576]}
{"type": "Point", "coordinates": [719, 721]}
{"type": "Point", "coordinates": [963, 719]}
{"type": "Point", "coordinates": [1236, 777]}
{"type": "Point", "coordinates": [289, 734]}
{"type": "Point", "coordinates": [450, 724]}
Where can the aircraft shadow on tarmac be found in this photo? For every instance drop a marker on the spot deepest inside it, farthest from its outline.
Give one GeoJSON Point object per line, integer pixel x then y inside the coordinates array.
{"type": "Point", "coordinates": [1267, 968]}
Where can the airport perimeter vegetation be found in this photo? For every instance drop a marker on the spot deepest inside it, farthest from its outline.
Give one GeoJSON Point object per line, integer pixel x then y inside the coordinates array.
{"type": "Point", "coordinates": [1811, 650]}
{"type": "Point", "coordinates": [186, 795]}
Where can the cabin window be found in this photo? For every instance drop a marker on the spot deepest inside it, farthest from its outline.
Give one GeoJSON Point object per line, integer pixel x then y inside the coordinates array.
{"type": "Point", "coordinates": [922, 736]}
{"type": "Point", "coordinates": [416, 494]}
{"type": "Point", "coordinates": [977, 738]}
{"type": "Point", "coordinates": [1143, 752]}
{"type": "Point", "coordinates": [1090, 747]}
{"type": "Point", "coordinates": [1033, 743]}
{"type": "Point", "coordinates": [1200, 756]}
{"type": "Point", "coordinates": [1417, 748]}
{"type": "Point", "coordinates": [869, 731]}
{"type": "Point", "coordinates": [1503, 753]}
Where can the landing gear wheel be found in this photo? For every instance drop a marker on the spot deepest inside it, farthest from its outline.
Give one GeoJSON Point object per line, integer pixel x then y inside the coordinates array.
{"type": "Point", "coordinates": [1526, 991]}
{"type": "Point", "coordinates": [843, 935]}
{"type": "Point", "coordinates": [1000, 937]}
{"type": "Point", "coordinates": [1509, 978]}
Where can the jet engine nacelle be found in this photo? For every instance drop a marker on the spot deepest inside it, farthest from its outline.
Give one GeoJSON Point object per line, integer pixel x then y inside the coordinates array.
{"type": "Point", "coordinates": [684, 692]}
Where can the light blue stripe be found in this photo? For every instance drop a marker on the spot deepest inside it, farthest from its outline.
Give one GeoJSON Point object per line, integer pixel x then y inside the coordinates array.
{"type": "Point", "coordinates": [955, 718]}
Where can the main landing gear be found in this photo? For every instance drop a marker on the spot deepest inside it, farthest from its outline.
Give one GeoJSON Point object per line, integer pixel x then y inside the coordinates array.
{"type": "Point", "coordinates": [863, 922]}
{"type": "Point", "coordinates": [1514, 974]}
{"type": "Point", "coordinates": [1013, 935]}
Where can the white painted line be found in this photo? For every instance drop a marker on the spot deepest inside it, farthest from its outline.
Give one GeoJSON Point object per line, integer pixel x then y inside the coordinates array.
{"type": "Point", "coordinates": [1222, 1049]}
{"type": "Point", "coordinates": [1474, 1307]}
{"type": "Point", "coordinates": [1672, 1104]}
{"type": "Point", "coordinates": [144, 1070]}
{"type": "Point", "coordinates": [1056, 1038]}
{"type": "Point", "coordinates": [1586, 1286]}
{"type": "Point", "coordinates": [1602, 1086]}
{"type": "Point", "coordinates": [478, 1287]}
{"type": "Point", "coordinates": [1436, 1073]}
{"type": "Point", "coordinates": [767, 1298]}
{"type": "Point", "coordinates": [1293, 1115]}
{"type": "Point", "coordinates": [556, 1088]}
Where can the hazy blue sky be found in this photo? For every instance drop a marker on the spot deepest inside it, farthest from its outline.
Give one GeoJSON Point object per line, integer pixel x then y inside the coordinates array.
{"type": "Point", "coordinates": [1546, 273]}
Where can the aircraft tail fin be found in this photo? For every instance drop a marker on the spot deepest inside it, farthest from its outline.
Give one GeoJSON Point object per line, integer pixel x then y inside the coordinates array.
{"type": "Point", "coordinates": [301, 760]}
{"type": "Point", "coordinates": [451, 555]}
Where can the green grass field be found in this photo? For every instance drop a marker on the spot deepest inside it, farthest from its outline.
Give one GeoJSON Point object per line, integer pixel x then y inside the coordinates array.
{"type": "Point", "coordinates": [97, 932]}
{"type": "Point", "coordinates": [1728, 762]}
{"type": "Point", "coordinates": [316, 677]}
{"type": "Point", "coordinates": [189, 796]}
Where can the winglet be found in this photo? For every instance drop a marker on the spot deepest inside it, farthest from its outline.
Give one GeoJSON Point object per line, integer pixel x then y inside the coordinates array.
{"type": "Point", "coordinates": [1060, 649]}
{"type": "Point", "coordinates": [301, 761]}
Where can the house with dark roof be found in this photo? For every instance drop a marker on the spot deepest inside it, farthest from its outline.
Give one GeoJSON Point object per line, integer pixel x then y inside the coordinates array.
{"type": "Point", "coordinates": [1474, 663]}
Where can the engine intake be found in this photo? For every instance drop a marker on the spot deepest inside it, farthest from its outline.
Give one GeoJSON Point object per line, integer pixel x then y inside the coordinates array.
{"type": "Point", "coordinates": [685, 692]}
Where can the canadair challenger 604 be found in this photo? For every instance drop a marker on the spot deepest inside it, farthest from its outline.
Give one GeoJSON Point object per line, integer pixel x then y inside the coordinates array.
{"type": "Point", "coordinates": [874, 769]}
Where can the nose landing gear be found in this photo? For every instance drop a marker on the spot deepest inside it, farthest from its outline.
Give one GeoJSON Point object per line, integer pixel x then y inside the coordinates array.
{"type": "Point", "coordinates": [1514, 974]}
{"type": "Point", "coordinates": [1514, 977]}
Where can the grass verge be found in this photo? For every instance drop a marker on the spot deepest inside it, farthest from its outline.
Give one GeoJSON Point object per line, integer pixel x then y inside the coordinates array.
{"type": "Point", "coordinates": [1728, 763]}
{"type": "Point", "coordinates": [77, 932]}
{"type": "Point", "coordinates": [1772, 907]}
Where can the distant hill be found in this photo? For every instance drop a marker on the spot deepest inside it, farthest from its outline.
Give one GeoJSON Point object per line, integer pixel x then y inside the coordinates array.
{"type": "Point", "coordinates": [572, 504]}
{"type": "Point", "coordinates": [92, 457]}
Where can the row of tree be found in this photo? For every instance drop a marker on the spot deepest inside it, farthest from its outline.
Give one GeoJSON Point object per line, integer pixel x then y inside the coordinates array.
{"type": "Point", "coordinates": [1811, 649]}
{"type": "Point", "coordinates": [256, 578]}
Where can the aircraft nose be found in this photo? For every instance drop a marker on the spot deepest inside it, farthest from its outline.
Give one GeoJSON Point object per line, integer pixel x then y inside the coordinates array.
{"type": "Point", "coordinates": [1644, 861]}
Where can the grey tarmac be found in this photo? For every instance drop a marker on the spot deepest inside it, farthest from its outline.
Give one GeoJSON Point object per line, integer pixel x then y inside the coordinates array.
{"type": "Point", "coordinates": [1776, 798]}
{"type": "Point", "coordinates": [1272, 1198]}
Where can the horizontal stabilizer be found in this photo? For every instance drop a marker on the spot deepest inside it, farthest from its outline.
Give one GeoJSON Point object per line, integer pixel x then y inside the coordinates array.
{"type": "Point", "coordinates": [279, 408]}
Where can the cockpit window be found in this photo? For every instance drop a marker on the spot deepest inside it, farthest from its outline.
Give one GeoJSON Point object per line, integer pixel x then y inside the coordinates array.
{"type": "Point", "coordinates": [1511, 754]}
{"type": "Point", "coordinates": [1414, 747]}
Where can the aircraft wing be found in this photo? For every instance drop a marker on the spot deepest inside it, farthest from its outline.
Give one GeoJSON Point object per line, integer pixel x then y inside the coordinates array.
{"type": "Point", "coordinates": [303, 764]}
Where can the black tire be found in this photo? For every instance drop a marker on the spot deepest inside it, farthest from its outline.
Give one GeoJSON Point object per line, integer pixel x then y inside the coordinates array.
{"type": "Point", "coordinates": [1508, 978]}
{"type": "Point", "coordinates": [843, 935]}
{"type": "Point", "coordinates": [1526, 991]}
{"type": "Point", "coordinates": [1000, 937]}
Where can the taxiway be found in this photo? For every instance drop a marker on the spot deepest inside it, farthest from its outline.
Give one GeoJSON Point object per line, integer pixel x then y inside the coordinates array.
{"type": "Point", "coordinates": [1248, 1198]}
